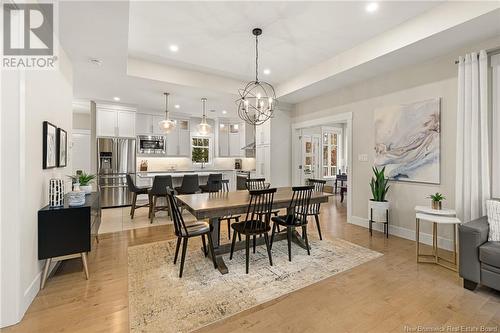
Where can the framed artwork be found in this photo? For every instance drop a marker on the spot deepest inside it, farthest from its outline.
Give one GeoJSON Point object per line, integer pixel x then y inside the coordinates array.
{"type": "Point", "coordinates": [49, 146]}
{"type": "Point", "coordinates": [62, 147]}
{"type": "Point", "coordinates": [407, 141]}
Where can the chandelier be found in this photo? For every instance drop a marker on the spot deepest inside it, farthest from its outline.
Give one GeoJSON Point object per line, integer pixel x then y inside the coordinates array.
{"type": "Point", "coordinates": [167, 124]}
{"type": "Point", "coordinates": [204, 128]}
{"type": "Point", "coordinates": [257, 100]}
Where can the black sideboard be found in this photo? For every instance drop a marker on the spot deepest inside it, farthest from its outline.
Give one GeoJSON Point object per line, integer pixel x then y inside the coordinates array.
{"type": "Point", "coordinates": [66, 232]}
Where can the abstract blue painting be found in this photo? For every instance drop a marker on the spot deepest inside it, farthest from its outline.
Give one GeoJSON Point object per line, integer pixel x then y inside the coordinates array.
{"type": "Point", "coordinates": [407, 141]}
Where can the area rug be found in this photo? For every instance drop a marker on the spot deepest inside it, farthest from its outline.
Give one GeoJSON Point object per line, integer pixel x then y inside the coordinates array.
{"type": "Point", "coordinates": [161, 302]}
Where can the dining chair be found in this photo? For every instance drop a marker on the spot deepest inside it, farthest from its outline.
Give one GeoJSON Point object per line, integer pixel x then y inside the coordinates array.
{"type": "Point", "coordinates": [319, 186]}
{"type": "Point", "coordinates": [257, 222]}
{"type": "Point", "coordinates": [135, 190]}
{"type": "Point", "coordinates": [184, 232]}
{"type": "Point", "coordinates": [159, 190]}
{"type": "Point", "coordinates": [259, 184]}
{"type": "Point", "coordinates": [340, 178]}
{"type": "Point", "coordinates": [296, 216]}
{"type": "Point", "coordinates": [190, 185]}
{"type": "Point", "coordinates": [212, 178]}
{"type": "Point", "coordinates": [222, 186]}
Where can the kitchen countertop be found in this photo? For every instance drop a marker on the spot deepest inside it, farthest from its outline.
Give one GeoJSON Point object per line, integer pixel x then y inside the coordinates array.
{"type": "Point", "coordinates": [180, 173]}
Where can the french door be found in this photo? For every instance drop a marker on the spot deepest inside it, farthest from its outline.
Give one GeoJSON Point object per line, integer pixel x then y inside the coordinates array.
{"type": "Point", "coordinates": [310, 157]}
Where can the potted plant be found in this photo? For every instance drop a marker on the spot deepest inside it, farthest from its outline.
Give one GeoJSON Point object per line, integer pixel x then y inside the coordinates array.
{"type": "Point", "coordinates": [378, 206]}
{"type": "Point", "coordinates": [437, 200]}
{"type": "Point", "coordinates": [84, 181]}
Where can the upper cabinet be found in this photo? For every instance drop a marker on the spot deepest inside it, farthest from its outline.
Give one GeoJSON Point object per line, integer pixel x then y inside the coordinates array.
{"type": "Point", "coordinates": [115, 121]}
{"type": "Point", "coordinates": [178, 140]}
{"type": "Point", "coordinates": [148, 124]}
{"type": "Point", "coordinates": [231, 138]}
{"type": "Point", "coordinates": [263, 134]}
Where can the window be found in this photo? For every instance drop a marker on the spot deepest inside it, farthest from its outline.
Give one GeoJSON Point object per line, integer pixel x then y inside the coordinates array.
{"type": "Point", "coordinates": [331, 146]}
{"type": "Point", "coordinates": [200, 150]}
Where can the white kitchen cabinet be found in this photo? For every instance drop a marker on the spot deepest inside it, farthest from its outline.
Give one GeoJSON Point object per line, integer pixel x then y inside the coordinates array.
{"type": "Point", "coordinates": [144, 124]}
{"type": "Point", "coordinates": [179, 139]}
{"type": "Point", "coordinates": [231, 138]}
{"type": "Point", "coordinates": [262, 162]}
{"type": "Point", "coordinates": [126, 124]}
{"type": "Point", "coordinates": [263, 134]}
{"type": "Point", "coordinates": [115, 121]}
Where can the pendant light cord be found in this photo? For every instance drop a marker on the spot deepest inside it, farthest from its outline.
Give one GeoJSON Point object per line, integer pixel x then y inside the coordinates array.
{"type": "Point", "coordinates": [257, 58]}
{"type": "Point", "coordinates": [166, 105]}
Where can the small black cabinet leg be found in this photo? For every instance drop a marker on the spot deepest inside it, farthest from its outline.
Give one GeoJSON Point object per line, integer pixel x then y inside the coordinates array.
{"type": "Point", "coordinates": [468, 284]}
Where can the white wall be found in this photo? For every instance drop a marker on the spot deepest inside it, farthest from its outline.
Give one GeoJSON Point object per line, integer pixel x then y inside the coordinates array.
{"type": "Point", "coordinates": [436, 78]}
{"type": "Point", "coordinates": [28, 99]}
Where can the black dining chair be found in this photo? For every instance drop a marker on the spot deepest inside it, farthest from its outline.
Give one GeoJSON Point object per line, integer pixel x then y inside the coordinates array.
{"type": "Point", "coordinates": [296, 216]}
{"type": "Point", "coordinates": [222, 186]}
{"type": "Point", "coordinates": [319, 186]}
{"type": "Point", "coordinates": [260, 184]}
{"type": "Point", "coordinates": [340, 178]}
{"type": "Point", "coordinates": [212, 178]}
{"type": "Point", "coordinates": [257, 222]}
{"type": "Point", "coordinates": [190, 185]}
{"type": "Point", "coordinates": [135, 190]}
{"type": "Point", "coordinates": [159, 190]}
{"type": "Point", "coordinates": [184, 232]}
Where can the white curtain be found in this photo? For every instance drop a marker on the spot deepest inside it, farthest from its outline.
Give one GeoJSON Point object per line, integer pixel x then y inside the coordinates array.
{"type": "Point", "coordinates": [473, 177]}
{"type": "Point", "coordinates": [495, 146]}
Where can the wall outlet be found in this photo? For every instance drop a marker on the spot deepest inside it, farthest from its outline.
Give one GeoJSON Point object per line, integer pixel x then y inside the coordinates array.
{"type": "Point", "coordinates": [363, 157]}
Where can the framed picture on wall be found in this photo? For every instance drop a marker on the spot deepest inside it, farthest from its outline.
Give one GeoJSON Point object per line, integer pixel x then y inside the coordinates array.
{"type": "Point", "coordinates": [49, 145]}
{"type": "Point", "coordinates": [62, 147]}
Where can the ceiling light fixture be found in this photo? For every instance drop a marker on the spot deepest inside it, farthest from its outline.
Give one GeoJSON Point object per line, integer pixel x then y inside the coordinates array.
{"type": "Point", "coordinates": [167, 124]}
{"type": "Point", "coordinates": [173, 48]}
{"type": "Point", "coordinates": [224, 111]}
{"type": "Point", "coordinates": [267, 71]}
{"type": "Point", "coordinates": [95, 61]}
{"type": "Point", "coordinates": [177, 106]}
{"type": "Point", "coordinates": [371, 7]}
{"type": "Point", "coordinates": [258, 99]}
{"type": "Point", "coordinates": [204, 128]}
{"type": "Point", "coordinates": [117, 99]}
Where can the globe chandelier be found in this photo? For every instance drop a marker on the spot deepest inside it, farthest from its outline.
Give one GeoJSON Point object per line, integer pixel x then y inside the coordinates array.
{"type": "Point", "coordinates": [204, 128]}
{"type": "Point", "coordinates": [257, 100]}
{"type": "Point", "coordinates": [167, 124]}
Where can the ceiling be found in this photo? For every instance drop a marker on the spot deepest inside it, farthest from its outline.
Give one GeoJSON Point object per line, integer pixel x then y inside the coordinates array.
{"type": "Point", "coordinates": [216, 37]}
{"type": "Point", "coordinates": [303, 42]}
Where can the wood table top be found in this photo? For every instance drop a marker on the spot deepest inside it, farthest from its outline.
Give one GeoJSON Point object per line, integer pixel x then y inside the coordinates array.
{"type": "Point", "coordinates": [210, 205]}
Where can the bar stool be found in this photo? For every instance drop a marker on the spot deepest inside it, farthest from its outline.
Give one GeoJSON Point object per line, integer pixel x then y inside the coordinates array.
{"type": "Point", "coordinates": [135, 190]}
{"type": "Point", "coordinates": [211, 179]}
{"type": "Point", "coordinates": [159, 190]}
{"type": "Point", "coordinates": [190, 185]}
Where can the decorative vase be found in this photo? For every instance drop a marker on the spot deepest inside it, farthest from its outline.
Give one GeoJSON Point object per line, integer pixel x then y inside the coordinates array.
{"type": "Point", "coordinates": [86, 188]}
{"type": "Point", "coordinates": [76, 198]}
{"type": "Point", "coordinates": [437, 205]}
{"type": "Point", "coordinates": [56, 192]}
{"type": "Point", "coordinates": [378, 210]}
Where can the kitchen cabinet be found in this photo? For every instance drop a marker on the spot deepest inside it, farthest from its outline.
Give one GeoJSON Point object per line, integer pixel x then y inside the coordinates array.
{"type": "Point", "coordinates": [231, 138]}
{"type": "Point", "coordinates": [263, 134]}
{"type": "Point", "coordinates": [179, 139]}
{"type": "Point", "coordinates": [114, 121]}
{"type": "Point", "coordinates": [148, 124]}
{"type": "Point", "coordinates": [262, 164]}
{"type": "Point", "coordinates": [156, 124]}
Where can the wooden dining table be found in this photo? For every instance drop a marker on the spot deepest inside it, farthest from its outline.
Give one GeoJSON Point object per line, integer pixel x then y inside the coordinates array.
{"type": "Point", "coordinates": [212, 206]}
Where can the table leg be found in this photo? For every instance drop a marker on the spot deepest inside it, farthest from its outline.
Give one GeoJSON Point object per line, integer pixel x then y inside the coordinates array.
{"type": "Point", "coordinates": [221, 265]}
{"type": "Point", "coordinates": [45, 272]}
{"type": "Point", "coordinates": [417, 235]}
{"type": "Point", "coordinates": [434, 240]}
{"type": "Point", "coordinates": [455, 245]}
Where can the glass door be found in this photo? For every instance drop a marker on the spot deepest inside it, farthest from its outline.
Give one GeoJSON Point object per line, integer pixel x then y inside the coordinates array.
{"type": "Point", "coordinates": [310, 157]}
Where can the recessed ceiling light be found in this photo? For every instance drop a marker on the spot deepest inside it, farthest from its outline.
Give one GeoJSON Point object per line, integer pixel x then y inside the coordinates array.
{"type": "Point", "coordinates": [371, 7]}
{"type": "Point", "coordinates": [173, 48]}
{"type": "Point", "coordinates": [177, 106]}
{"type": "Point", "coordinates": [116, 99]}
{"type": "Point", "coordinates": [224, 111]}
{"type": "Point", "coordinates": [212, 110]}
{"type": "Point", "coordinates": [267, 71]}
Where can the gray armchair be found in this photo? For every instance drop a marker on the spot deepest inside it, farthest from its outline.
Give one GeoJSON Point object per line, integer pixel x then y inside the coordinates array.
{"type": "Point", "coordinates": [479, 259]}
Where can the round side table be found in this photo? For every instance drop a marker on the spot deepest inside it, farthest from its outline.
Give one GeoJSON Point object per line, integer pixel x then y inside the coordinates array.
{"type": "Point", "coordinates": [443, 217]}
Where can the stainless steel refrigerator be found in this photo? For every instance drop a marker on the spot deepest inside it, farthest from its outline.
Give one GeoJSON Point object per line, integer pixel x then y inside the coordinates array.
{"type": "Point", "coordinates": [115, 158]}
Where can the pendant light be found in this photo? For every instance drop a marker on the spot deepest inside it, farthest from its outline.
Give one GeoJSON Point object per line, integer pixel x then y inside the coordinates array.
{"type": "Point", "coordinates": [204, 128]}
{"type": "Point", "coordinates": [167, 124]}
{"type": "Point", "coordinates": [258, 99]}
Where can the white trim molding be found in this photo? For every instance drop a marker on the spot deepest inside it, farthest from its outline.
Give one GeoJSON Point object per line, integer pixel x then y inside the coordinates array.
{"type": "Point", "coordinates": [394, 230]}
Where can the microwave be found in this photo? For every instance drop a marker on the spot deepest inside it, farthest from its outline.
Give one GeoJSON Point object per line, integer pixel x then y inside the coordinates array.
{"type": "Point", "coordinates": [151, 144]}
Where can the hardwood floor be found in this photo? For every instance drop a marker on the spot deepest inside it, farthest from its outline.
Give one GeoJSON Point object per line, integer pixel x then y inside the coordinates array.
{"type": "Point", "coordinates": [388, 294]}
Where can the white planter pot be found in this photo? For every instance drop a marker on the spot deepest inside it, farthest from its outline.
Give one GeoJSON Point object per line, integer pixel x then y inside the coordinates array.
{"type": "Point", "coordinates": [87, 188]}
{"type": "Point", "coordinates": [378, 210]}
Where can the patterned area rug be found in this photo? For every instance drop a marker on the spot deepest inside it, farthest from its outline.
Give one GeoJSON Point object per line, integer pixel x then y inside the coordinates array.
{"type": "Point", "coordinates": [161, 302]}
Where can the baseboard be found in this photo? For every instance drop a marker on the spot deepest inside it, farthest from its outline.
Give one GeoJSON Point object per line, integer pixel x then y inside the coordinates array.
{"type": "Point", "coordinates": [395, 230]}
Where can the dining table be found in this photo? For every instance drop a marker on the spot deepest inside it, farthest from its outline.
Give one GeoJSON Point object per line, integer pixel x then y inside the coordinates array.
{"type": "Point", "coordinates": [214, 205]}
